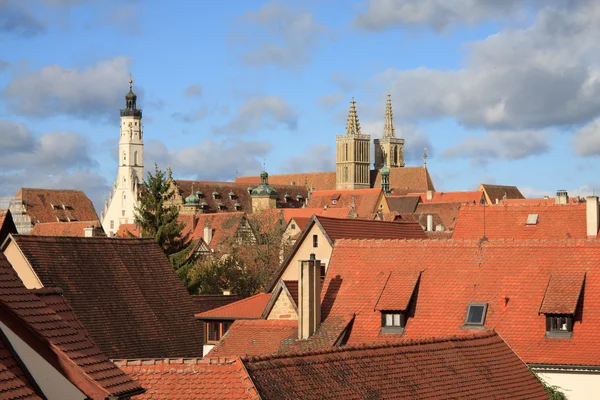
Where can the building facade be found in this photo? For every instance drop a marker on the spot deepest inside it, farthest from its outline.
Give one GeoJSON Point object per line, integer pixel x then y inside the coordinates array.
{"type": "Point", "coordinates": [120, 206]}
{"type": "Point", "coordinates": [353, 155]}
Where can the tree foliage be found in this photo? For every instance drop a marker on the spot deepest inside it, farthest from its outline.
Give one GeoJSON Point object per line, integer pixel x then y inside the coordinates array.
{"type": "Point", "coordinates": [157, 216]}
{"type": "Point", "coordinates": [246, 261]}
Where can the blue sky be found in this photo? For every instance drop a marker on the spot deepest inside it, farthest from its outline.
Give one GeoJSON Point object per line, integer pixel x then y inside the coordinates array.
{"type": "Point", "coordinates": [499, 92]}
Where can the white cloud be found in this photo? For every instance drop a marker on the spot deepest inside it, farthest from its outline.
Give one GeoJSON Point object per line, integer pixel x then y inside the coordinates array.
{"type": "Point", "coordinates": [288, 36]}
{"type": "Point", "coordinates": [510, 145]}
{"type": "Point", "coordinates": [586, 141]}
{"type": "Point", "coordinates": [317, 158]}
{"type": "Point", "coordinates": [208, 160]}
{"type": "Point", "coordinates": [92, 92]}
{"type": "Point", "coordinates": [261, 112]}
{"type": "Point", "coordinates": [15, 138]}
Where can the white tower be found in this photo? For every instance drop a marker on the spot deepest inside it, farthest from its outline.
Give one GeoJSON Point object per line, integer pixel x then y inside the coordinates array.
{"type": "Point", "coordinates": [119, 208]}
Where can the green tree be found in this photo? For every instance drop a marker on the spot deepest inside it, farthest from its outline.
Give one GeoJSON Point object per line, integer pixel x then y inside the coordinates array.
{"type": "Point", "coordinates": [157, 216]}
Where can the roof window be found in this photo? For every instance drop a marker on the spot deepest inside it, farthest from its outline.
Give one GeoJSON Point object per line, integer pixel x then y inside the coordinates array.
{"type": "Point", "coordinates": [532, 219]}
{"type": "Point", "coordinates": [559, 326]}
{"type": "Point", "coordinates": [393, 322]}
{"type": "Point", "coordinates": [476, 314]}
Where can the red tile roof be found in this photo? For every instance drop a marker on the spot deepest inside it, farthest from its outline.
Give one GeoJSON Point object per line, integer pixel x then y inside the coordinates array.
{"type": "Point", "coordinates": [255, 337]}
{"type": "Point", "coordinates": [127, 230]}
{"type": "Point", "coordinates": [474, 367]}
{"type": "Point", "coordinates": [510, 276]}
{"type": "Point", "coordinates": [241, 195]}
{"type": "Point", "coordinates": [68, 349]}
{"type": "Point", "coordinates": [448, 212]}
{"type": "Point", "coordinates": [499, 192]}
{"type": "Point", "coordinates": [475, 197]}
{"type": "Point", "coordinates": [75, 229]}
{"type": "Point", "coordinates": [191, 379]}
{"type": "Point", "coordinates": [537, 201]}
{"type": "Point", "coordinates": [333, 212]}
{"type": "Point", "coordinates": [503, 222]}
{"type": "Point", "coordinates": [562, 294]}
{"type": "Point", "coordinates": [223, 225]}
{"type": "Point", "coordinates": [250, 307]}
{"type": "Point", "coordinates": [124, 291]}
{"type": "Point", "coordinates": [13, 381]}
{"type": "Point", "coordinates": [46, 205]}
{"type": "Point", "coordinates": [403, 204]}
{"type": "Point", "coordinates": [364, 200]}
{"type": "Point", "coordinates": [397, 290]}
{"type": "Point", "coordinates": [337, 228]}
{"type": "Point", "coordinates": [7, 225]}
{"type": "Point", "coordinates": [416, 179]}
{"type": "Point", "coordinates": [205, 302]}
{"type": "Point", "coordinates": [314, 180]}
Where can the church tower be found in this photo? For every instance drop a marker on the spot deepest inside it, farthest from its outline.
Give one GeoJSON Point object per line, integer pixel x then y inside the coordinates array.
{"type": "Point", "coordinates": [353, 155]}
{"type": "Point", "coordinates": [389, 150]}
{"type": "Point", "coordinates": [119, 208]}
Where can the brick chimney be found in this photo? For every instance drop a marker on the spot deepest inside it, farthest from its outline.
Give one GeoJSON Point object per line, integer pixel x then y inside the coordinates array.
{"type": "Point", "coordinates": [88, 231]}
{"type": "Point", "coordinates": [309, 297]}
{"type": "Point", "coordinates": [591, 216]}
{"type": "Point", "coordinates": [562, 197]}
{"type": "Point", "coordinates": [207, 234]}
{"type": "Point", "coordinates": [430, 223]}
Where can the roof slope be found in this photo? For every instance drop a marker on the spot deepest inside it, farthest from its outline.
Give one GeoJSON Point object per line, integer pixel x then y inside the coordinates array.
{"type": "Point", "coordinates": [76, 355]}
{"type": "Point", "coordinates": [364, 200]}
{"type": "Point", "coordinates": [13, 381]}
{"type": "Point", "coordinates": [415, 179]}
{"type": "Point", "coordinates": [250, 307]}
{"type": "Point", "coordinates": [496, 193]}
{"type": "Point", "coordinates": [474, 197]}
{"type": "Point", "coordinates": [46, 205]}
{"type": "Point", "coordinates": [566, 221]}
{"type": "Point", "coordinates": [205, 302]}
{"type": "Point", "coordinates": [223, 225]}
{"type": "Point", "coordinates": [403, 204]}
{"type": "Point", "coordinates": [337, 228]}
{"type": "Point", "coordinates": [123, 290]}
{"type": "Point", "coordinates": [481, 366]}
{"type": "Point", "coordinates": [314, 180]}
{"type": "Point", "coordinates": [289, 213]}
{"type": "Point", "coordinates": [448, 212]}
{"type": "Point", "coordinates": [512, 277]}
{"type": "Point", "coordinates": [75, 229]}
{"type": "Point", "coordinates": [7, 225]}
{"type": "Point", "coordinates": [191, 379]}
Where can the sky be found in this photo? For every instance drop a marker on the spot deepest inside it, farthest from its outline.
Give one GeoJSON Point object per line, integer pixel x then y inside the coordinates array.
{"type": "Point", "coordinates": [504, 92]}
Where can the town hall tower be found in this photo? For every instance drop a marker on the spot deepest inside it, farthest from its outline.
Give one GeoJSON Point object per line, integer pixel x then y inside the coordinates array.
{"type": "Point", "coordinates": [353, 155]}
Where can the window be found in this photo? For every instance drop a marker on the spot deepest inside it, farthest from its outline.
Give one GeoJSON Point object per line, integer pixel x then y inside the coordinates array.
{"type": "Point", "coordinates": [559, 325]}
{"type": "Point", "coordinates": [293, 226]}
{"type": "Point", "coordinates": [112, 224]}
{"type": "Point", "coordinates": [323, 271]}
{"type": "Point", "coordinates": [216, 329]}
{"type": "Point", "coordinates": [334, 202]}
{"type": "Point", "coordinates": [315, 241]}
{"type": "Point", "coordinates": [532, 219]}
{"type": "Point", "coordinates": [476, 314]}
{"type": "Point", "coordinates": [135, 158]}
{"type": "Point", "coordinates": [393, 322]}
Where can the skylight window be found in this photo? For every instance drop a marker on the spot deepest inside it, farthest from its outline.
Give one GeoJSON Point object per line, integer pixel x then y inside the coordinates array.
{"type": "Point", "coordinates": [532, 219]}
{"type": "Point", "coordinates": [476, 314]}
{"type": "Point", "coordinates": [393, 322]}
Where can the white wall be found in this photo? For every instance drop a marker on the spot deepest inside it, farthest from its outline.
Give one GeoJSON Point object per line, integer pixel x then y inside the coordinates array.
{"type": "Point", "coordinates": [51, 382]}
{"type": "Point", "coordinates": [574, 385]}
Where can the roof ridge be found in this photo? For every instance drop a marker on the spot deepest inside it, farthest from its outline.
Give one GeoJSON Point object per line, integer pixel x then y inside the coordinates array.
{"type": "Point", "coordinates": [135, 362]}
{"type": "Point", "coordinates": [371, 346]}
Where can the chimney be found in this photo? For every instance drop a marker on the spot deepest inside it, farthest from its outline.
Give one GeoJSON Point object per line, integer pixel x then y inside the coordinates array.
{"type": "Point", "coordinates": [591, 216]}
{"type": "Point", "coordinates": [88, 231]}
{"type": "Point", "coordinates": [562, 197]}
{"type": "Point", "coordinates": [429, 194]}
{"type": "Point", "coordinates": [430, 223]}
{"type": "Point", "coordinates": [309, 297]}
{"type": "Point", "coordinates": [226, 292]}
{"type": "Point", "coordinates": [207, 234]}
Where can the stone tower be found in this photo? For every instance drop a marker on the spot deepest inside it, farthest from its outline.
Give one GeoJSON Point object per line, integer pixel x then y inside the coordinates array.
{"type": "Point", "coordinates": [389, 150]}
{"type": "Point", "coordinates": [353, 155]}
{"type": "Point", "coordinates": [119, 208]}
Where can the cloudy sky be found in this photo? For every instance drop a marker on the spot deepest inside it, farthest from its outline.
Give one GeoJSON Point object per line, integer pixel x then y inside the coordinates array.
{"type": "Point", "coordinates": [504, 92]}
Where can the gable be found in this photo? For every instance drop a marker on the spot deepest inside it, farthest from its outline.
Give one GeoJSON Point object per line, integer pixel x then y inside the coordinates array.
{"type": "Point", "coordinates": [305, 248]}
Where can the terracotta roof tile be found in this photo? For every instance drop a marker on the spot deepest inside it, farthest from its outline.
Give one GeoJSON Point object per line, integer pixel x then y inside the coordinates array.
{"type": "Point", "coordinates": [502, 222]}
{"type": "Point", "coordinates": [124, 291]}
{"type": "Point", "coordinates": [223, 225]}
{"type": "Point", "coordinates": [7, 225]}
{"type": "Point", "coordinates": [125, 230]}
{"type": "Point", "coordinates": [333, 212]}
{"type": "Point", "coordinates": [292, 287]}
{"type": "Point", "coordinates": [498, 192]}
{"type": "Point", "coordinates": [250, 307]}
{"type": "Point", "coordinates": [448, 212]}
{"type": "Point", "coordinates": [13, 381]}
{"type": "Point", "coordinates": [480, 366]}
{"type": "Point", "coordinates": [255, 337]}
{"type": "Point", "coordinates": [474, 197]}
{"type": "Point", "coordinates": [46, 205]}
{"type": "Point", "coordinates": [191, 379]}
{"type": "Point", "coordinates": [75, 229]}
{"type": "Point", "coordinates": [314, 180]}
{"type": "Point", "coordinates": [241, 195]}
{"type": "Point", "coordinates": [397, 291]}
{"type": "Point", "coordinates": [365, 200]}
{"type": "Point", "coordinates": [337, 228]}
{"type": "Point", "coordinates": [205, 302]}
{"type": "Point", "coordinates": [416, 179]}
{"type": "Point", "coordinates": [562, 294]}
{"type": "Point", "coordinates": [403, 204]}
{"type": "Point", "coordinates": [510, 276]}
{"type": "Point", "coordinates": [72, 351]}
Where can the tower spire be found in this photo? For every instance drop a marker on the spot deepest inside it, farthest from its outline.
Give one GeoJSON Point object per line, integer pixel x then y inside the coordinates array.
{"type": "Point", "coordinates": [425, 157]}
{"type": "Point", "coordinates": [388, 127]}
{"type": "Point", "coordinates": [352, 125]}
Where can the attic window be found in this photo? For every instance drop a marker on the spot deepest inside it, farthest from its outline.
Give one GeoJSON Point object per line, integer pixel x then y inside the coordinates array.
{"type": "Point", "coordinates": [55, 206]}
{"type": "Point", "coordinates": [334, 202]}
{"type": "Point", "coordinates": [476, 314]}
{"type": "Point", "coordinates": [315, 241]}
{"type": "Point", "coordinates": [221, 206]}
{"type": "Point", "coordinates": [559, 326]}
{"type": "Point", "coordinates": [532, 219]}
{"type": "Point", "coordinates": [237, 206]}
{"type": "Point", "coordinates": [293, 226]}
{"type": "Point", "coordinates": [393, 322]}
{"type": "Point", "coordinates": [215, 195]}
{"type": "Point", "coordinates": [66, 207]}
{"type": "Point", "coordinates": [72, 219]}
{"type": "Point", "coordinates": [231, 195]}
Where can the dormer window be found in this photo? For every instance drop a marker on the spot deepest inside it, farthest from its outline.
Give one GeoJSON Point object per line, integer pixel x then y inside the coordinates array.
{"type": "Point", "coordinates": [559, 326]}
{"type": "Point", "coordinates": [393, 322]}
{"type": "Point", "coordinates": [215, 195]}
{"type": "Point", "coordinates": [475, 315]}
{"type": "Point", "coordinates": [232, 195]}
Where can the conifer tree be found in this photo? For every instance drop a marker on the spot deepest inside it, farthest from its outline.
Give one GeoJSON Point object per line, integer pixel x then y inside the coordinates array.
{"type": "Point", "coordinates": [156, 216]}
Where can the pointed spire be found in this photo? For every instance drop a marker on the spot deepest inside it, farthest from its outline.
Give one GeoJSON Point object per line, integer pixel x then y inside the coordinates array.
{"type": "Point", "coordinates": [388, 127]}
{"type": "Point", "coordinates": [425, 158]}
{"type": "Point", "coordinates": [352, 125]}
